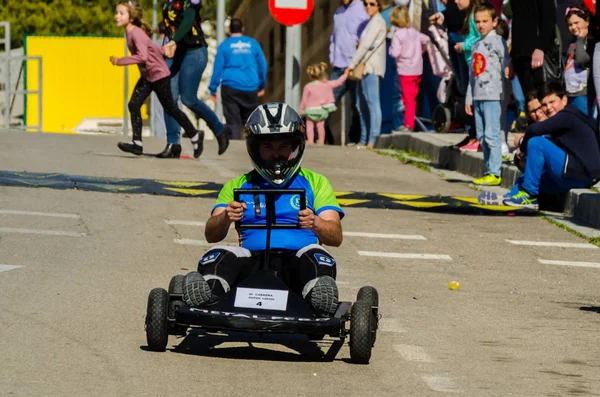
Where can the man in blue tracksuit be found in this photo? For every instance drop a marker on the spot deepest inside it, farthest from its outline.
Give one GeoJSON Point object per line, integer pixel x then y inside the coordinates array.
{"type": "Point", "coordinates": [241, 70]}
{"type": "Point", "coordinates": [563, 151]}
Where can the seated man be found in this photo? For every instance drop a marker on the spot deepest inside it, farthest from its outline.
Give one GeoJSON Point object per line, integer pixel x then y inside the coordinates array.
{"type": "Point", "coordinates": [535, 113]}
{"type": "Point", "coordinates": [275, 140]}
{"type": "Point", "coordinates": [563, 151]}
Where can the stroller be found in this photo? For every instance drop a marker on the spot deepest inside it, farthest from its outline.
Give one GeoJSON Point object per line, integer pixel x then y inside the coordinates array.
{"type": "Point", "coordinates": [451, 110]}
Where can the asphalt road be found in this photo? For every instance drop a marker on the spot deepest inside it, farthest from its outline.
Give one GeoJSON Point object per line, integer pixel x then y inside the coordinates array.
{"type": "Point", "coordinates": [76, 268]}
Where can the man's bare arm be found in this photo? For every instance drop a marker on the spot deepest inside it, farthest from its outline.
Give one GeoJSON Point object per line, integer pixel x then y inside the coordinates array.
{"type": "Point", "coordinates": [326, 226]}
{"type": "Point", "coordinates": [218, 224]}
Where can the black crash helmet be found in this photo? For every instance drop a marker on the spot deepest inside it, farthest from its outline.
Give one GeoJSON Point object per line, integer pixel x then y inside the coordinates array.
{"type": "Point", "coordinates": [275, 121]}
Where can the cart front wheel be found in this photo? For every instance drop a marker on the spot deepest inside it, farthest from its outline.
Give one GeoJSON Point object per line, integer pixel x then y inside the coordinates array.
{"type": "Point", "coordinates": [361, 337]}
{"type": "Point", "coordinates": [157, 332]}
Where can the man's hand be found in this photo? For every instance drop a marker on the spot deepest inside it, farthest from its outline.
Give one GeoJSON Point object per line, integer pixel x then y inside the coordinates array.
{"type": "Point", "coordinates": [469, 110]}
{"type": "Point", "coordinates": [306, 218]}
{"type": "Point", "coordinates": [213, 98]}
{"type": "Point", "coordinates": [459, 47]}
{"type": "Point", "coordinates": [114, 60]}
{"type": "Point", "coordinates": [537, 59]}
{"type": "Point", "coordinates": [169, 49]}
{"type": "Point", "coordinates": [235, 211]}
{"type": "Point", "coordinates": [260, 93]}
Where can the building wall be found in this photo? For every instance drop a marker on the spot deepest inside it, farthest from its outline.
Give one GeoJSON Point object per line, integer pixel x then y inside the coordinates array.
{"type": "Point", "coordinates": [78, 80]}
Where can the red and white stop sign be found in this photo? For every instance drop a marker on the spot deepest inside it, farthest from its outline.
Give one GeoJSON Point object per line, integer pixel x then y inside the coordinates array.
{"type": "Point", "coordinates": [291, 12]}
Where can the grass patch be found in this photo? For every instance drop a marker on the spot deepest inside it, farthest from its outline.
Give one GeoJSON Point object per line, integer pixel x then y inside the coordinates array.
{"type": "Point", "coordinates": [408, 157]}
{"type": "Point", "coordinates": [592, 240]}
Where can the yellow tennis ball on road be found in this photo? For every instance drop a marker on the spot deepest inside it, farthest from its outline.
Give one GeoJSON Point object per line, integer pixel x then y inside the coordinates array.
{"type": "Point", "coordinates": [454, 285]}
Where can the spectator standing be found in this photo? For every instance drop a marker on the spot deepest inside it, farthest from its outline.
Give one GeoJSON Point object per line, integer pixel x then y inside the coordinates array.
{"type": "Point", "coordinates": [157, 113]}
{"type": "Point", "coordinates": [371, 50]}
{"type": "Point", "coordinates": [533, 39]}
{"type": "Point", "coordinates": [407, 49]}
{"type": "Point", "coordinates": [318, 101]}
{"type": "Point", "coordinates": [484, 96]}
{"type": "Point", "coordinates": [454, 19]}
{"type": "Point", "coordinates": [390, 85]}
{"type": "Point", "coordinates": [349, 21]}
{"type": "Point", "coordinates": [155, 76]}
{"type": "Point", "coordinates": [471, 34]}
{"type": "Point", "coordinates": [188, 49]}
{"type": "Point", "coordinates": [241, 70]}
{"type": "Point", "coordinates": [577, 68]}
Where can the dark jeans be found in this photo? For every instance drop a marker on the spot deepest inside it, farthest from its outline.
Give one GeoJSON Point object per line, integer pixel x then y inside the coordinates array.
{"type": "Point", "coordinates": [237, 107]}
{"type": "Point", "coordinates": [224, 267]}
{"type": "Point", "coordinates": [162, 89]}
{"type": "Point", "coordinates": [187, 67]}
{"type": "Point", "coordinates": [459, 64]}
{"type": "Point", "coordinates": [530, 79]}
{"type": "Point", "coordinates": [349, 86]}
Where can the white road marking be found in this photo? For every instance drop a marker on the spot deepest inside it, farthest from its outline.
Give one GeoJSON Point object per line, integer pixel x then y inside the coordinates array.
{"type": "Point", "coordinates": [383, 235]}
{"type": "Point", "coordinates": [413, 353]}
{"type": "Point", "coordinates": [567, 263]}
{"type": "Point", "coordinates": [440, 383]}
{"type": "Point", "coordinates": [5, 268]}
{"type": "Point", "coordinates": [187, 241]}
{"type": "Point", "coordinates": [201, 243]}
{"type": "Point", "coordinates": [41, 231]}
{"type": "Point", "coordinates": [184, 223]}
{"type": "Point", "coordinates": [391, 325]}
{"type": "Point", "coordinates": [405, 256]}
{"type": "Point", "coordinates": [49, 214]}
{"type": "Point", "coordinates": [552, 244]}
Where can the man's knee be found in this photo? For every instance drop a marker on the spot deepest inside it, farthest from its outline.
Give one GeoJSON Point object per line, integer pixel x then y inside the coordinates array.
{"type": "Point", "coordinates": [222, 264]}
{"type": "Point", "coordinates": [316, 259]}
{"type": "Point", "coordinates": [536, 144]}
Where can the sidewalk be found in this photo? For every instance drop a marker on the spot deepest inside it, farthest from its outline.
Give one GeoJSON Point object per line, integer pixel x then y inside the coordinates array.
{"type": "Point", "coordinates": [581, 204]}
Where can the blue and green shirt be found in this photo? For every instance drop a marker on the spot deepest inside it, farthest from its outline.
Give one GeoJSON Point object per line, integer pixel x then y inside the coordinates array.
{"type": "Point", "coordinates": [319, 197]}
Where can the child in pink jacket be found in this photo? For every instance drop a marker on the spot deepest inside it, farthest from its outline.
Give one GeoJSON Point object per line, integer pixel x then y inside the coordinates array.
{"type": "Point", "coordinates": [407, 49]}
{"type": "Point", "coordinates": [318, 101]}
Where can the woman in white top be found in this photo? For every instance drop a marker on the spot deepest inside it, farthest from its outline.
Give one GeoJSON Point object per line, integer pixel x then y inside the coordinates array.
{"type": "Point", "coordinates": [371, 49]}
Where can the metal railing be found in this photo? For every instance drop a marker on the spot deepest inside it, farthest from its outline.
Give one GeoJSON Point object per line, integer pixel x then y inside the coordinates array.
{"type": "Point", "coordinates": [9, 93]}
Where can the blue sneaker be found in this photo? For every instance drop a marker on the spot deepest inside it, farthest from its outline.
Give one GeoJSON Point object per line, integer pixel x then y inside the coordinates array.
{"type": "Point", "coordinates": [489, 198]}
{"type": "Point", "coordinates": [522, 199]}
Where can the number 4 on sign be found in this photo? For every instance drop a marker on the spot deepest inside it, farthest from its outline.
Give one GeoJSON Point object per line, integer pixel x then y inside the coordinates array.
{"type": "Point", "coordinates": [259, 304]}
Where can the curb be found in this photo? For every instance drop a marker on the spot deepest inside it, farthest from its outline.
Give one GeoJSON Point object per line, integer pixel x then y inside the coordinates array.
{"type": "Point", "coordinates": [581, 204]}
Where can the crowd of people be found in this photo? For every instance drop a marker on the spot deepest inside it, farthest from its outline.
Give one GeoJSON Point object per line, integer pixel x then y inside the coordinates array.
{"type": "Point", "coordinates": [496, 52]}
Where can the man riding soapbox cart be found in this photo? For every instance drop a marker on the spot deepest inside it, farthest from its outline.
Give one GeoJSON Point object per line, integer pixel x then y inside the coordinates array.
{"type": "Point", "coordinates": [263, 303]}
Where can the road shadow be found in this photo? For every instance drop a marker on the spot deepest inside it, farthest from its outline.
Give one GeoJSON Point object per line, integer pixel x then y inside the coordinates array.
{"type": "Point", "coordinates": [593, 309]}
{"type": "Point", "coordinates": [209, 344]}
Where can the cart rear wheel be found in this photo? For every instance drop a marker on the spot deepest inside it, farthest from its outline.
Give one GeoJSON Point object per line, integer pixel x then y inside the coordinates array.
{"type": "Point", "coordinates": [441, 119]}
{"type": "Point", "coordinates": [370, 294]}
{"type": "Point", "coordinates": [361, 337]}
{"type": "Point", "coordinates": [156, 320]}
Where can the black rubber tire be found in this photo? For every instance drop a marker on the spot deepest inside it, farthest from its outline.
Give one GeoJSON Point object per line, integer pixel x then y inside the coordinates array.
{"type": "Point", "coordinates": [441, 119]}
{"type": "Point", "coordinates": [157, 327]}
{"type": "Point", "coordinates": [176, 285]}
{"type": "Point", "coordinates": [195, 294]}
{"type": "Point", "coordinates": [361, 342]}
{"type": "Point", "coordinates": [371, 295]}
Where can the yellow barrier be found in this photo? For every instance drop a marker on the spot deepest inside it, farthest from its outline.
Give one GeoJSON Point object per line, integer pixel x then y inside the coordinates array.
{"type": "Point", "coordinates": [78, 80]}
